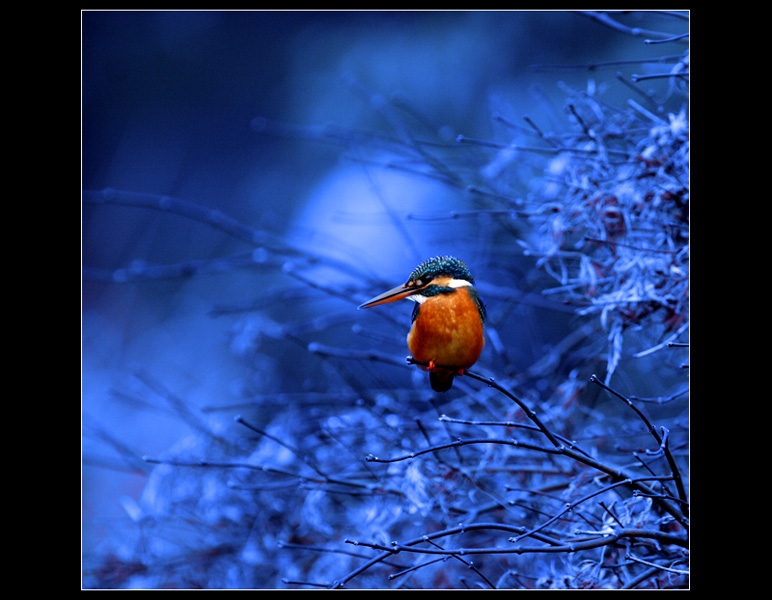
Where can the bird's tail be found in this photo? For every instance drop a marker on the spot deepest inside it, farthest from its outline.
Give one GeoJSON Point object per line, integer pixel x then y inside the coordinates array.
{"type": "Point", "coordinates": [441, 380]}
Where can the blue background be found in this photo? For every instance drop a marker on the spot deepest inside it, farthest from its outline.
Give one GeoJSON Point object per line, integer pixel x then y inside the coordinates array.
{"type": "Point", "coordinates": [213, 108]}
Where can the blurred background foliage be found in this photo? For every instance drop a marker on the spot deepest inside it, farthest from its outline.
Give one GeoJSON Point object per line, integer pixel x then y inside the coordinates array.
{"type": "Point", "coordinates": [546, 149]}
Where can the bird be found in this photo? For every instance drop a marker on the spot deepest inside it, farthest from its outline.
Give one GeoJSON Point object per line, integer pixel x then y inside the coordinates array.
{"type": "Point", "coordinates": [446, 334]}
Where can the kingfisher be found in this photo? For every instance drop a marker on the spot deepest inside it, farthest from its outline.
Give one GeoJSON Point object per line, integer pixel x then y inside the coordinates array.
{"type": "Point", "coordinates": [446, 334]}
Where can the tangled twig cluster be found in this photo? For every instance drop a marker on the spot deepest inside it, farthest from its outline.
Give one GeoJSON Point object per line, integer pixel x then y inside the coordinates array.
{"type": "Point", "coordinates": [615, 233]}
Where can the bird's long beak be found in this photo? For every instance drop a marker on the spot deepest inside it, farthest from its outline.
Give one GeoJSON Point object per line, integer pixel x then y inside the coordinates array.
{"type": "Point", "coordinates": [397, 293]}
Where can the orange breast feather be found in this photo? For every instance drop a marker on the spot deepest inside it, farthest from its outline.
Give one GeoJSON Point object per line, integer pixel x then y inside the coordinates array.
{"type": "Point", "coordinates": [448, 331]}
